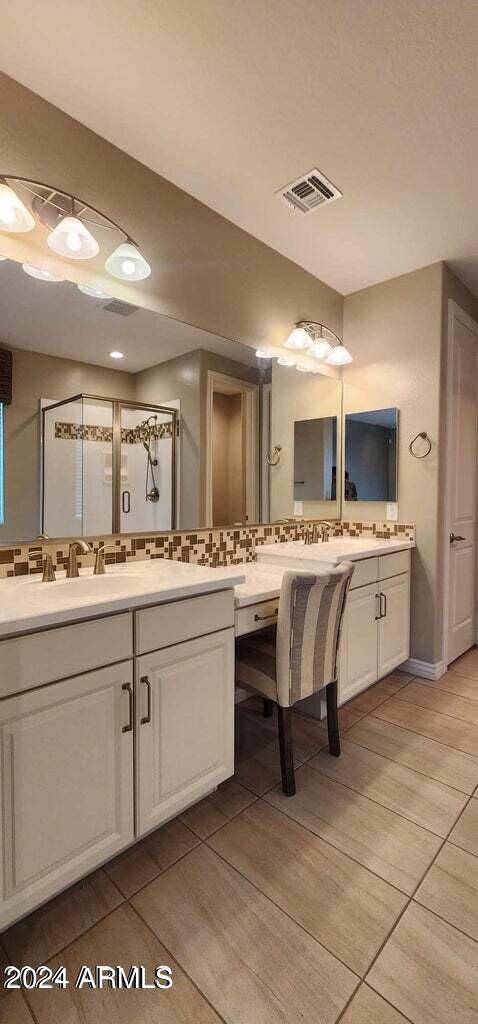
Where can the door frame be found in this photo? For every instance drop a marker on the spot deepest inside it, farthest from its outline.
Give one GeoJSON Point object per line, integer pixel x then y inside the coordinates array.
{"type": "Point", "coordinates": [225, 384]}
{"type": "Point", "coordinates": [455, 312]}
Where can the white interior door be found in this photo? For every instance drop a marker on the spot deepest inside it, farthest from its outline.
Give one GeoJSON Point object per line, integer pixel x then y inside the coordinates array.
{"type": "Point", "coordinates": [461, 483]}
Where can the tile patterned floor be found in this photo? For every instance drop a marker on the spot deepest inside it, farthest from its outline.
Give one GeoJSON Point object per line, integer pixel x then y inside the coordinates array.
{"type": "Point", "coordinates": [356, 901]}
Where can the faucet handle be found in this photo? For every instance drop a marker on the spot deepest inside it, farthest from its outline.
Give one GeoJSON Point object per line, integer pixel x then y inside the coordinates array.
{"type": "Point", "coordinates": [48, 570]}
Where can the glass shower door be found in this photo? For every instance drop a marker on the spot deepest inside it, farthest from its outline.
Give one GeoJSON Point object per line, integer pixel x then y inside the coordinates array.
{"type": "Point", "coordinates": [146, 469]}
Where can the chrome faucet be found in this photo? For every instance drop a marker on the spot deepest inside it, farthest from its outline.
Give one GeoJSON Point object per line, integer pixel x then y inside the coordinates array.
{"type": "Point", "coordinates": [72, 567]}
{"type": "Point", "coordinates": [319, 531]}
{"type": "Point", "coordinates": [99, 569]}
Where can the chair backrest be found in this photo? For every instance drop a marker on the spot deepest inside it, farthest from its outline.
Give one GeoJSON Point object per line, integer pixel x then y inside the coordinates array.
{"type": "Point", "coordinates": [308, 628]}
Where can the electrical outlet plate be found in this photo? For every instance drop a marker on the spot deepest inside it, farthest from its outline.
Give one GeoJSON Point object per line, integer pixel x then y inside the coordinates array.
{"type": "Point", "coordinates": [298, 508]}
{"type": "Point", "coordinates": [392, 511]}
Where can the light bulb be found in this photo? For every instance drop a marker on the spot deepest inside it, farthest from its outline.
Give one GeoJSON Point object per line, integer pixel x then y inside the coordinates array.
{"type": "Point", "coordinates": [71, 238]}
{"type": "Point", "coordinates": [339, 356]}
{"type": "Point", "coordinates": [298, 339]}
{"type": "Point", "coordinates": [127, 264]}
{"type": "Point", "coordinates": [96, 293]}
{"type": "Point", "coordinates": [14, 215]}
{"type": "Point", "coordinates": [320, 349]}
{"type": "Point", "coordinates": [39, 274]}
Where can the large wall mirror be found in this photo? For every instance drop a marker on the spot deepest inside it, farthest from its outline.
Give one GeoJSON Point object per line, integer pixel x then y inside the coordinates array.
{"type": "Point", "coordinates": [371, 455]}
{"type": "Point", "coordinates": [168, 437]}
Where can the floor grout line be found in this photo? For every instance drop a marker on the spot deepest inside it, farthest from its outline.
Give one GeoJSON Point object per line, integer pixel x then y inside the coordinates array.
{"type": "Point", "coordinates": [176, 959]}
{"type": "Point", "coordinates": [432, 778]}
{"type": "Point", "coordinates": [424, 735]}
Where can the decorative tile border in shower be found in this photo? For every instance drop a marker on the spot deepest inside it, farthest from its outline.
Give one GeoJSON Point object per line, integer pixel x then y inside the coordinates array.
{"type": "Point", "coordinates": [228, 546]}
{"type": "Point", "coordinates": [93, 432]}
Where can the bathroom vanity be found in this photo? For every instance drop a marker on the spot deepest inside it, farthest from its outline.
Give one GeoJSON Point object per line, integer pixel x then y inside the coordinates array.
{"type": "Point", "coordinates": [117, 713]}
{"type": "Point", "coordinates": [375, 635]}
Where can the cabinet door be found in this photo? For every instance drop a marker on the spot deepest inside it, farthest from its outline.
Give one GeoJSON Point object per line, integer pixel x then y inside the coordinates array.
{"type": "Point", "coordinates": [394, 627]}
{"type": "Point", "coordinates": [66, 784]}
{"type": "Point", "coordinates": [185, 725]}
{"type": "Point", "coordinates": [358, 660]}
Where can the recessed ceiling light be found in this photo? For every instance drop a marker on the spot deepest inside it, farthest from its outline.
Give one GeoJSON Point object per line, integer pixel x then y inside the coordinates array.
{"type": "Point", "coordinates": [117, 355]}
{"type": "Point", "coordinates": [39, 274]}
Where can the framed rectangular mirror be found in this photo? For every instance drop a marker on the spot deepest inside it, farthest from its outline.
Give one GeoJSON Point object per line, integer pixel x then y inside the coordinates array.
{"type": "Point", "coordinates": [371, 443]}
{"type": "Point", "coordinates": [315, 459]}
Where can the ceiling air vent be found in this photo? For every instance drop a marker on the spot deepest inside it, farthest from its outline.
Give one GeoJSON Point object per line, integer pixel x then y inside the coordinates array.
{"type": "Point", "coordinates": [309, 192]}
{"type": "Point", "coordinates": [120, 308]}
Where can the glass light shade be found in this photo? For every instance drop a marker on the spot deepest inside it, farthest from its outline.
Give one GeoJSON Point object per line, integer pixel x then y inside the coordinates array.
{"type": "Point", "coordinates": [285, 362]}
{"type": "Point", "coordinates": [127, 264]}
{"type": "Point", "coordinates": [264, 353]}
{"type": "Point", "coordinates": [320, 349]}
{"type": "Point", "coordinates": [14, 215]}
{"type": "Point", "coordinates": [339, 356]}
{"type": "Point", "coordinates": [39, 274]}
{"type": "Point", "coordinates": [95, 293]}
{"type": "Point", "coordinates": [298, 339]}
{"type": "Point", "coordinates": [71, 238]}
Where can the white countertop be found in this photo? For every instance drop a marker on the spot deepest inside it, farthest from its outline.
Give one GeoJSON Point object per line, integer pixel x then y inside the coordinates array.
{"type": "Point", "coordinates": [26, 603]}
{"type": "Point", "coordinates": [262, 582]}
{"type": "Point", "coordinates": [336, 550]}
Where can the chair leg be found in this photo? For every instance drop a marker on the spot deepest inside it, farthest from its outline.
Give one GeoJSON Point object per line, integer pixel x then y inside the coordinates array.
{"type": "Point", "coordinates": [333, 719]}
{"type": "Point", "coordinates": [268, 708]}
{"type": "Point", "coordinates": [286, 751]}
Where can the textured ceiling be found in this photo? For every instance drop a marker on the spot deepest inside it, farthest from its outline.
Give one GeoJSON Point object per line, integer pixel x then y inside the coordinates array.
{"type": "Point", "coordinates": [231, 100]}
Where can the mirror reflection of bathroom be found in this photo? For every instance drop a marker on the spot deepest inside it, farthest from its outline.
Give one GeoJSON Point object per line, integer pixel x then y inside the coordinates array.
{"type": "Point", "coordinates": [371, 455]}
{"type": "Point", "coordinates": [315, 459]}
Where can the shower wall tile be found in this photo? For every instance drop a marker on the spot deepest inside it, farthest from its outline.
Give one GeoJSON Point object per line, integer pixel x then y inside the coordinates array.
{"type": "Point", "coordinates": [216, 547]}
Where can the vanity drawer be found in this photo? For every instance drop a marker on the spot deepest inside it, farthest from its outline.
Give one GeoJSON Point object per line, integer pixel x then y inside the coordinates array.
{"type": "Point", "coordinates": [167, 624]}
{"type": "Point", "coordinates": [394, 564]}
{"type": "Point", "coordinates": [256, 616]}
{"type": "Point", "coordinates": [53, 654]}
{"type": "Point", "coordinates": [365, 572]}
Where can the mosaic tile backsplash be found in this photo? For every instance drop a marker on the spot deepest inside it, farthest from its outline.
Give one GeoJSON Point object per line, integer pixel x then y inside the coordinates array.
{"type": "Point", "coordinates": [219, 546]}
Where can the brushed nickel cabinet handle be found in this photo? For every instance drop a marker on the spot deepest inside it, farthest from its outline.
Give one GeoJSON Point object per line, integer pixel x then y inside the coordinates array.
{"type": "Point", "coordinates": [265, 618]}
{"type": "Point", "coordinates": [385, 604]}
{"type": "Point", "coordinates": [129, 691]}
{"type": "Point", "coordinates": [379, 598]}
{"type": "Point", "coordinates": [147, 717]}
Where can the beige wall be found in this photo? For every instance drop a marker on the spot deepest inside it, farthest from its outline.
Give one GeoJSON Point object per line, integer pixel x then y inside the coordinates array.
{"type": "Point", "coordinates": [394, 332]}
{"type": "Point", "coordinates": [206, 271]}
{"type": "Point", "coordinates": [37, 376]}
{"type": "Point", "coordinates": [298, 396]}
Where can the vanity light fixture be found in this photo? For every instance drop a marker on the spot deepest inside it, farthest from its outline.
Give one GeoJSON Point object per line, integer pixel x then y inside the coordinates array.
{"type": "Point", "coordinates": [72, 239]}
{"type": "Point", "coordinates": [339, 356]}
{"type": "Point", "coordinates": [298, 338]}
{"type": "Point", "coordinates": [116, 355]}
{"type": "Point", "coordinates": [68, 220]}
{"type": "Point", "coordinates": [95, 293]}
{"type": "Point", "coordinates": [14, 215]}
{"type": "Point", "coordinates": [127, 264]}
{"type": "Point", "coordinates": [40, 274]}
{"type": "Point", "coordinates": [320, 343]}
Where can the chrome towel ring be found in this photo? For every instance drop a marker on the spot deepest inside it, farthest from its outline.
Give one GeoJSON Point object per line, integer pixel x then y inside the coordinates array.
{"type": "Point", "coordinates": [423, 434]}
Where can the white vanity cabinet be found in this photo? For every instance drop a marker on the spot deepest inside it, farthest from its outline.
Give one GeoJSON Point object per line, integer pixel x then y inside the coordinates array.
{"type": "Point", "coordinates": [67, 783]}
{"type": "Point", "coordinates": [185, 725]}
{"type": "Point", "coordinates": [108, 728]}
{"type": "Point", "coordinates": [375, 635]}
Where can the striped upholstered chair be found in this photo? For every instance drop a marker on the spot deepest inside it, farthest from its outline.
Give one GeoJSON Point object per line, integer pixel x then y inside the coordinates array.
{"type": "Point", "coordinates": [302, 658]}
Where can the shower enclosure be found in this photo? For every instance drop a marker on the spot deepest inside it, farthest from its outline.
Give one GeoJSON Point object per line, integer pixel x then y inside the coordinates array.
{"type": "Point", "coordinates": [108, 466]}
